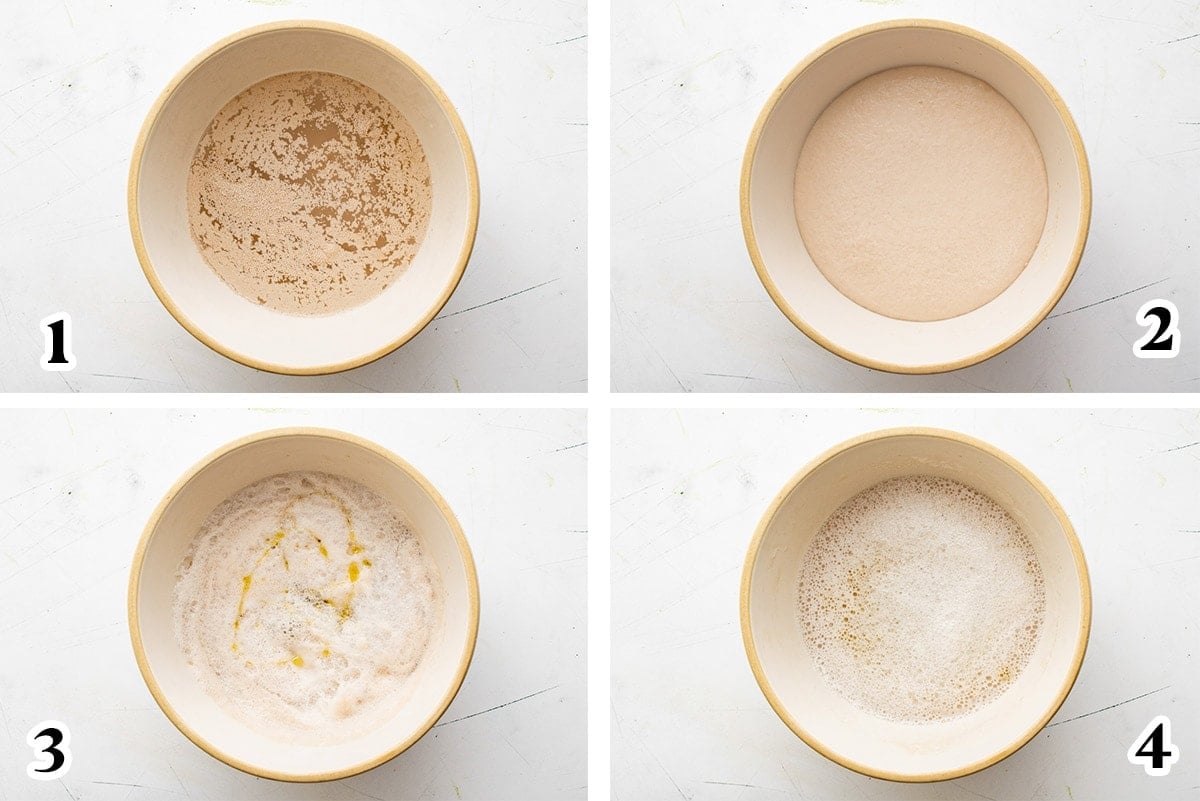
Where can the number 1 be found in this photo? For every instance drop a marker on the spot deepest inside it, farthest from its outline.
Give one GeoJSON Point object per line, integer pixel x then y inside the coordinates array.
{"type": "Point", "coordinates": [58, 356]}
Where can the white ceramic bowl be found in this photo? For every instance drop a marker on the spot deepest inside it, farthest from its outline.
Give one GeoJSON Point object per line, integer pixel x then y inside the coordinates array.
{"type": "Point", "coordinates": [807, 297]}
{"type": "Point", "coordinates": [785, 669]}
{"type": "Point", "coordinates": [168, 535]}
{"type": "Point", "coordinates": [204, 304]}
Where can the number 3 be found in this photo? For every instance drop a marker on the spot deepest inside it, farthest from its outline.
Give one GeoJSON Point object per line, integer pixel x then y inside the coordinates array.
{"type": "Point", "coordinates": [57, 757]}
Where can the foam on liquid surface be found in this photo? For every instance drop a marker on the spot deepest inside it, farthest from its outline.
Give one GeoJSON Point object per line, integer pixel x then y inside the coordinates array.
{"type": "Point", "coordinates": [303, 606]}
{"type": "Point", "coordinates": [921, 193]}
{"type": "Point", "coordinates": [921, 599]}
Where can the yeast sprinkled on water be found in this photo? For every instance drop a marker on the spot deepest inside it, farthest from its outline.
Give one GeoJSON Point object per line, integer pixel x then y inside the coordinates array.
{"type": "Point", "coordinates": [309, 193]}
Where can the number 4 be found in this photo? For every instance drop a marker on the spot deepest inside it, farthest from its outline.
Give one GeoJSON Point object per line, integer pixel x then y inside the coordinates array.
{"type": "Point", "coordinates": [1153, 749]}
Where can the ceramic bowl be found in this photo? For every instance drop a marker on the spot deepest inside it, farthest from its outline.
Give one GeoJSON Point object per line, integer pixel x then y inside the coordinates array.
{"type": "Point", "coordinates": [208, 307]}
{"type": "Point", "coordinates": [784, 666]}
{"type": "Point", "coordinates": [807, 297]}
{"type": "Point", "coordinates": [168, 535]}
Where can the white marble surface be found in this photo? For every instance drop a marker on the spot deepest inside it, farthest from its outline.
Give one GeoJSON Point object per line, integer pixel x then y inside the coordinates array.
{"type": "Point", "coordinates": [78, 77]}
{"type": "Point", "coordinates": [76, 488]}
{"type": "Point", "coordinates": [689, 487]}
{"type": "Point", "coordinates": [688, 81]}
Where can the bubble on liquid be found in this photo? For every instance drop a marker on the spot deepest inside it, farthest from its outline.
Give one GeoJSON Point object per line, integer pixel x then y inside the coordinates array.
{"type": "Point", "coordinates": [921, 599]}
{"type": "Point", "coordinates": [265, 611]}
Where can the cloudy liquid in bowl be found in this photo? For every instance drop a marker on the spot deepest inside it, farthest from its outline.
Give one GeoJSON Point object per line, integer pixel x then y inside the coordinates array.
{"type": "Point", "coordinates": [309, 193]}
{"type": "Point", "coordinates": [304, 605]}
{"type": "Point", "coordinates": [920, 193]}
{"type": "Point", "coordinates": [920, 599]}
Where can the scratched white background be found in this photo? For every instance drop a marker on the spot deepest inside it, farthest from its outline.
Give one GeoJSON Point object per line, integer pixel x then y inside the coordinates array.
{"type": "Point", "coordinates": [688, 719]}
{"type": "Point", "coordinates": [78, 77]}
{"type": "Point", "coordinates": [76, 488]}
{"type": "Point", "coordinates": [688, 81]}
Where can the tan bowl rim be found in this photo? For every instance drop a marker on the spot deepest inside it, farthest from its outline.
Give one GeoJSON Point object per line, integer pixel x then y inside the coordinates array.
{"type": "Point", "coordinates": [135, 632]}
{"type": "Point", "coordinates": [151, 122]}
{"type": "Point", "coordinates": [1085, 190]}
{"type": "Point", "coordinates": [1085, 589]}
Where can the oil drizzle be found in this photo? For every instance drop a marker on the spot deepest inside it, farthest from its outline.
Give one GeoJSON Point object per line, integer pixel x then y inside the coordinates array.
{"type": "Point", "coordinates": [248, 580]}
{"type": "Point", "coordinates": [289, 523]}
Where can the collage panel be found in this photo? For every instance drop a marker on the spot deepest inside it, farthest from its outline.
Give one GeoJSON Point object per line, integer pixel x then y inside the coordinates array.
{"type": "Point", "coordinates": [831, 603]}
{"type": "Point", "coordinates": [908, 196]}
{"type": "Point", "coordinates": [225, 196]}
{"type": "Point", "coordinates": [392, 603]}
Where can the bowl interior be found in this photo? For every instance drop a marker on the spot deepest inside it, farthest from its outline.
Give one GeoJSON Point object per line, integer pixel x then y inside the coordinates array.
{"type": "Point", "coordinates": [432, 685]}
{"type": "Point", "coordinates": [258, 335]}
{"type": "Point", "coordinates": [803, 292]}
{"type": "Point", "coordinates": [852, 736]}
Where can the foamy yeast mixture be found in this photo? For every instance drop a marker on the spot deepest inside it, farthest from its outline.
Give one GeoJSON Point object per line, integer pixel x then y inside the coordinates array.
{"type": "Point", "coordinates": [920, 193]}
{"type": "Point", "coordinates": [303, 606]}
{"type": "Point", "coordinates": [921, 599]}
{"type": "Point", "coordinates": [309, 193]}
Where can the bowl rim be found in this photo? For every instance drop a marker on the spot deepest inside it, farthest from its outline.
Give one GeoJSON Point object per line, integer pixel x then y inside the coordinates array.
{"type": "Point", "coordinates": [151, 123]}
{"type": "Point", "coordinates": [135, 632]}
{"type": "Point", "coordinates": [1085, 590]}
{"type": "Point", "coordinates": [1085, 206]}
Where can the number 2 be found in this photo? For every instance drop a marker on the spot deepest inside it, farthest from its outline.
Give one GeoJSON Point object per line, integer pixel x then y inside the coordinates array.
{"type": "Point", "coordinates": [1153, 749]}
{"type": "Point", "coordinates": [1161, 340]}
{"type": "Point", "coordinates": [56, 757]}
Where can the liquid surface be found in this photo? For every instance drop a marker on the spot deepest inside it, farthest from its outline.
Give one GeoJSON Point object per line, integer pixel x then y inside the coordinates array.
{"type": "Point", "coordinates": [309, 193]}
{"type": "Point", "coordinates": [921, 599]}
{"type": "Point", "coordinates": [303, 606]}
{"type": "Point", "coordinates": [920, 193]}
